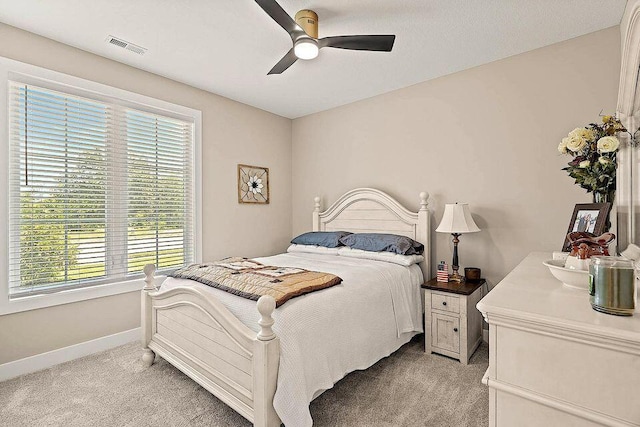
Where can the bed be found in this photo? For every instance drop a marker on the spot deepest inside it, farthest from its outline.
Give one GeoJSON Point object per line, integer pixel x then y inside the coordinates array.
{"type": "Point", "coordinates": [269, 364]}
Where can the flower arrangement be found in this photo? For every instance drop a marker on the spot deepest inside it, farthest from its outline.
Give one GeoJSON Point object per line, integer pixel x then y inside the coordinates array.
{"type": "Point", "coordinates": [594, 150]}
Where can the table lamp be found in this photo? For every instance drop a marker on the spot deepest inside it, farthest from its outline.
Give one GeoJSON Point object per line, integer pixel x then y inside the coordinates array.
{"type": "Point", "coordinates": [456, 220]}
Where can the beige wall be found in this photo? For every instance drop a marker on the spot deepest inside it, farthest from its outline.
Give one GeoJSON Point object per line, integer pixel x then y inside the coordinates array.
{"type": "Point", "coordinates": [232, 133]}
{"type": "Point", "coordinates": [486, 136]}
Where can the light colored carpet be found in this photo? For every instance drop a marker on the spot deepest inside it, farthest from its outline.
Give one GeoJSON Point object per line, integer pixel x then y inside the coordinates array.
{"type": "Point", "coordinates": [408, 388]}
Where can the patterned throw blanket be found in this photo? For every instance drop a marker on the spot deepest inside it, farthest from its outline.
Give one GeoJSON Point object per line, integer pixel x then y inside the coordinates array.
{"type": "Point", "coordinates": [250, 279]}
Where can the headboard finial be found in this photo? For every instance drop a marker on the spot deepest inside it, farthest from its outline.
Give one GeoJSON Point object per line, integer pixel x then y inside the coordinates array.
{"type": "Point", "coordinates": [316, 200]}
{"type": "Point", "coordinates": [424, 196]}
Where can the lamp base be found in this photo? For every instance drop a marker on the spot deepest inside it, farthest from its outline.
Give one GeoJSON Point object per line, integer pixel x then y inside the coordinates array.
{"type": "Point", "coordinates": [455, 277]}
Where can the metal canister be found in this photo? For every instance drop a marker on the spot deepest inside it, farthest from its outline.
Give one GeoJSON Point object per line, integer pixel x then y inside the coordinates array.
{"type": "Point", "coordinates": [612, 285]}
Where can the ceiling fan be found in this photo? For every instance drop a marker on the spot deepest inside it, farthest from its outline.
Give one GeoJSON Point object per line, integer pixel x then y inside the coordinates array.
{"type": "Point", "coordinates": [304, 35]}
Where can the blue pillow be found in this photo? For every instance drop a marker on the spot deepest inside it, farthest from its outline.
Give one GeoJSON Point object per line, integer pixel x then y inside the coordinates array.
{"type": "Point", "coordinates": [328, 239]}
{"type": "Point", "coordinates": [378, 242]}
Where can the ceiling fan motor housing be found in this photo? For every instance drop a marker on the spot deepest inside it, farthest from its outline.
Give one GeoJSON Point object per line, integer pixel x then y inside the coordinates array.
{"type": "Point", "coordinates": [308, 21]}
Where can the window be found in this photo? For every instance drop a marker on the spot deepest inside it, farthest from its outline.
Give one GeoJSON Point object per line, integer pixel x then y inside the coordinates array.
{"type": "Point", "coordinates": [97, 189]}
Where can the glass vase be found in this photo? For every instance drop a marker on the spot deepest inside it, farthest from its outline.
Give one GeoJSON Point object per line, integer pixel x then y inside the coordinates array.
{"type": "Point", "coordinates": [604, 197]}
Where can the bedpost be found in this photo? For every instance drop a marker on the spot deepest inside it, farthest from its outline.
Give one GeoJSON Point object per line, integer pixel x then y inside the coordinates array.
{"type": "Point", "coordinates": [266, 358]}
{"type": "Point", "coordinates": [147, 355]}
{"type": "Point", "coordinates": [422, 234]}
{"type": "Point", "coordinates": [316, 214]}
{"type": "Point", "coordinates": [266, 305]}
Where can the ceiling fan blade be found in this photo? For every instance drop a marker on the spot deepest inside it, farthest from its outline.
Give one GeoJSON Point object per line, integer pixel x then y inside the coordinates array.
{"type": "Point", "coordinates": [376, 43]}
{"type": "Point", "coordinates": [277, 13]}
{"type": "Point", "coordinates": [286, 62]}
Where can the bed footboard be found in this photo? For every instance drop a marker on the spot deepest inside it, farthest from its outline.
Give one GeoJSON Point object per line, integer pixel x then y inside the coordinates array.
{"type": "Point", "coordinates": [201, 337]}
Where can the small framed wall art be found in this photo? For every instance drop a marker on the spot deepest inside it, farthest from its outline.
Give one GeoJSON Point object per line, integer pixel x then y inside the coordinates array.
{"type": "Point", "coordinates": [589, 217]}
{"type": "Point", "coordinates": [253, 184]}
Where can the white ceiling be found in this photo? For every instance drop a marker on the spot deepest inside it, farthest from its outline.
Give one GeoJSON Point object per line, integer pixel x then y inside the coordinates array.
{"type": "Point", "coordinates": [228, 46]}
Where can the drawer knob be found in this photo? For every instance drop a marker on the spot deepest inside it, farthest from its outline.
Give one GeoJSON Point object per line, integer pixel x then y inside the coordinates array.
{"type": "Point", "coordinates": [444, 303]}
{"type": "Point", "coordinates": [455, 329]}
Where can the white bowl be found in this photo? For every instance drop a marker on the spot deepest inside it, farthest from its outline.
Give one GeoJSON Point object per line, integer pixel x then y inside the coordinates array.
{"type": "Point", "coordinates": [572, 278]}
{"type": "Point", "coordinates": [575, 263]}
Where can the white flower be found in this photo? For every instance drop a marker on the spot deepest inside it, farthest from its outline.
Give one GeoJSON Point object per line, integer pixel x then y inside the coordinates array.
{"type": "Point", "coordinates": [584, 164]}
{"type": "Point", "coordinates": [255, 184]}
{"type": "Point", "coordinates": [604, 160]}
{"type": "Point", "coordinates": [562, 147]}
{"type": "Point", "coordinates": [575, 143]}
{"type": "Point", "coordinates": [583, 133]}
{"type": "Point", "coordinates": [608, 144]}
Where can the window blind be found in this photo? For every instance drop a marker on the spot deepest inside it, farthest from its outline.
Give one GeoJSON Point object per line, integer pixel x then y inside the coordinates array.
{"type": "Point", "coordinates": [97, 190]}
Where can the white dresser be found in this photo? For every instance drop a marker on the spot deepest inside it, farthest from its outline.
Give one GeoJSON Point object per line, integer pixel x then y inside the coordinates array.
{"type": "Point", "coordinates": [553, 360]}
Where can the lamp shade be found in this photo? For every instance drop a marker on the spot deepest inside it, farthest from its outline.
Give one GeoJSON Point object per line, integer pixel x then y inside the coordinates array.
{"type": "Point", "coordinates": [457, 219]}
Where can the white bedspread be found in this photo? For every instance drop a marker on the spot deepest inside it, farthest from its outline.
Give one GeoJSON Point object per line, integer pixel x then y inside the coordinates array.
{"type": "Point", "coordinates": [329, 333]}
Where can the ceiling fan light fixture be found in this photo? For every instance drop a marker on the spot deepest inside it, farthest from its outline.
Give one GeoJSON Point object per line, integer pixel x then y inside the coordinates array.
{"type": "Point", "coordinates": [306, 48]}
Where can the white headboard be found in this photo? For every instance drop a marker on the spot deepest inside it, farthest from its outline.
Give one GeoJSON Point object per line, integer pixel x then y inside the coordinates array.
{"type": "Point", "coordinates": [366, 210]}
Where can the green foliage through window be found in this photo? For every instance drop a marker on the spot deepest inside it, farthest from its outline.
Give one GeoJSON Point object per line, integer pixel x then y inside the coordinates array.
{"type": "Point", "coordinates": [97, 190]}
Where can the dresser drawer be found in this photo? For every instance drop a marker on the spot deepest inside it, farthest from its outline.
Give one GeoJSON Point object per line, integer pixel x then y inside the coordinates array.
{"type": "Point", "coordinates": [450, 303]}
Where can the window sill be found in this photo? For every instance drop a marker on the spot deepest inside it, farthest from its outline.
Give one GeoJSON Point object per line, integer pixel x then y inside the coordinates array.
{"type": "Point", "coordinates": [35, 302]}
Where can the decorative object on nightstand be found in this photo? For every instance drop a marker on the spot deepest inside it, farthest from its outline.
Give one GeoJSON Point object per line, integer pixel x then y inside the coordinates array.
{"type": "Point", "coordinates": [472, 273]}
{"type": "Point", "coordinates": [456, 220]}
{"type": "Point", "coordinates": [443, 272]}
{"type": "Point", "coordinates": [453, 325]}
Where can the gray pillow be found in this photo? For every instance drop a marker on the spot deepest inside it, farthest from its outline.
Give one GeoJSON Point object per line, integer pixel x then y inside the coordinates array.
{"type": "Point", "coordinates": [328, 239]}
{"type": "Point", "coordinates": [379, 242]}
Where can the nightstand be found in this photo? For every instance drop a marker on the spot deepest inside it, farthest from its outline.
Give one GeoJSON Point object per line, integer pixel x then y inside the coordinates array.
{"type": "Point", "coordinates": [452, 323]}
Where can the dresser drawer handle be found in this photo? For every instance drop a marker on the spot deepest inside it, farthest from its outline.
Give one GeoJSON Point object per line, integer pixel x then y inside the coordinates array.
{"type": "Point", "coordinates": [455, 329]}
{"type": "Point", "coordinates": [444, 303]}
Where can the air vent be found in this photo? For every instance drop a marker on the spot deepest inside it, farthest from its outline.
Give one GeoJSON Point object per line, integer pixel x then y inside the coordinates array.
{"type": "Point", "coordinates": [126, 45]}
{"type": "Point", "coordinates": [136, 49]}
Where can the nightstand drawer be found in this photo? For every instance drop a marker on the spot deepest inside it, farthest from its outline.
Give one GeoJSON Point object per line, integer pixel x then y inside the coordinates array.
{"type": "Point", "coordinates": [445, 332]}
{"type": "Point", "coordinates": [448, 303]}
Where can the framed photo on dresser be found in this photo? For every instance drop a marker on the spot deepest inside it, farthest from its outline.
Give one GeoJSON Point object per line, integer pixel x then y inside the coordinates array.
{"type": "Point", "coordinates": [587, 217]}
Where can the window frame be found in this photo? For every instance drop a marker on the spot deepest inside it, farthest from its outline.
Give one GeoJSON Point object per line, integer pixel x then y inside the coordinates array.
{"type": "Point", "coordinates": [11, 70]}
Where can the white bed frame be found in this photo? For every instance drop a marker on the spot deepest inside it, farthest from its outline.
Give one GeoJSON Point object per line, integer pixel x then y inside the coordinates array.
{"type": "Point", "coordinates": [198, 335]}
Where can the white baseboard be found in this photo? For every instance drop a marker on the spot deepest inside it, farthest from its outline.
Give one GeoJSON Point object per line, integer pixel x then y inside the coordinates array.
{"type": "Point", "coordinates": [51, 358]}
{"type": "Point", "coordinates": [485, 335]}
